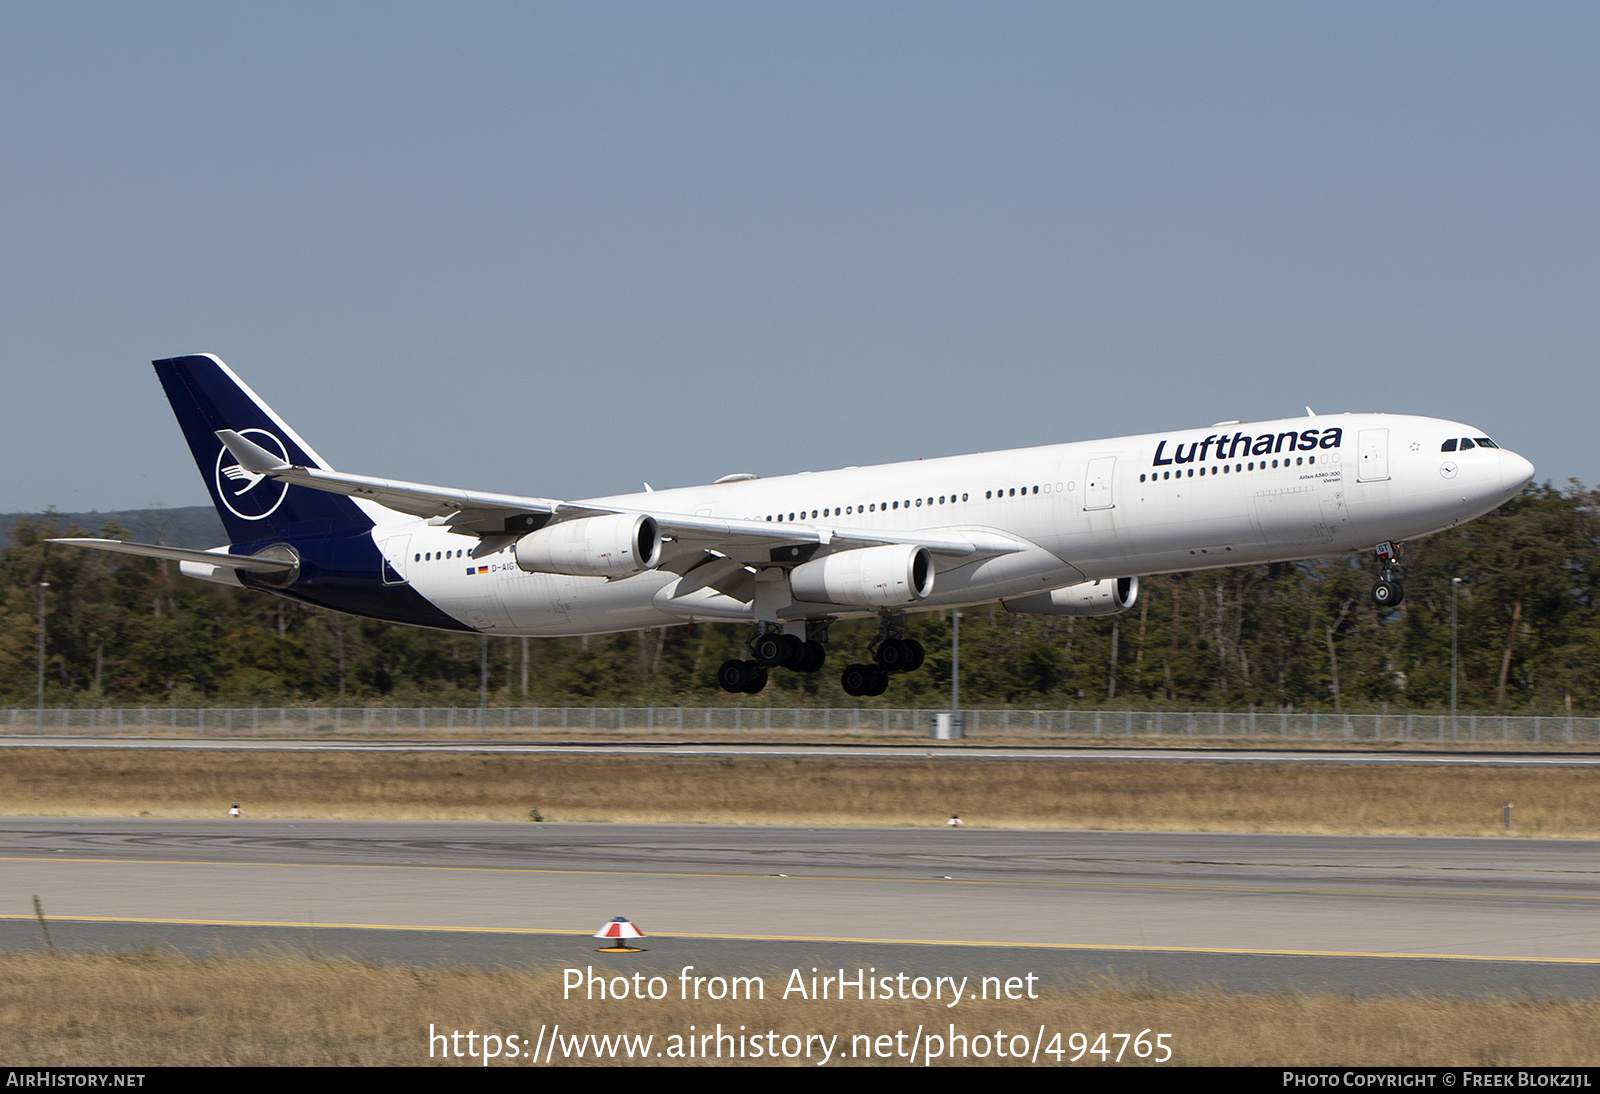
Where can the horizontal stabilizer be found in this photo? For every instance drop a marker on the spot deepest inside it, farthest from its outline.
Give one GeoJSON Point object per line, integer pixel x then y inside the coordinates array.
{"type": "Point", "coordinates": [251, 456]}
{"type": "Point", "coordinates": [218, 557]}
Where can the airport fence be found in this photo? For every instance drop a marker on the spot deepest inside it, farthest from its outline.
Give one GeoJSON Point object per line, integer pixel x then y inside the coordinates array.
{"type": "Point", "coordinates": [757, 723]}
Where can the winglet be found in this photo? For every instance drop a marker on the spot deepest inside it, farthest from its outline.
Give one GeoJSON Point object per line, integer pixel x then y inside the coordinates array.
{"type": "Point", "coordinates": [251, 456]}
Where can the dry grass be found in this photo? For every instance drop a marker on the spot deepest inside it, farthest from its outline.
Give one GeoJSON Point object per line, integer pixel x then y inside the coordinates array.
{"type": "Point", "coordinates": [1190, 796]}
{"type": "Point", "coordinates": [159, 1009]}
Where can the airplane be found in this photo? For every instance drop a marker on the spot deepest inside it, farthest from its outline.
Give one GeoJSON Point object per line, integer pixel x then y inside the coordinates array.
{"type": "Point", "coordinates": [1064, 530]}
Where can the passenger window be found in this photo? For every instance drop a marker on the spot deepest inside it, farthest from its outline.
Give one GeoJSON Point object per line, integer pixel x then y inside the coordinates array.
{"type": "Point", "coordinates": [1448, 446]}
{"type": "Point", "coordinates": [963, 497]}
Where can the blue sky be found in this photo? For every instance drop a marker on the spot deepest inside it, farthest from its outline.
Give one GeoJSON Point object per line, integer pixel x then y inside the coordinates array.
{"type": "Point", "coordinates": [561, 249]}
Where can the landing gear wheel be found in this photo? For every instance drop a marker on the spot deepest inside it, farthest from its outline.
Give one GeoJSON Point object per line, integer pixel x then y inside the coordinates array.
{"type": "Point", "coordinates": [880, 680]}
{"type": "Point", "coordinates": [770, 649]}
{"type": "Point", "coordinates": [893, 654]}
{"type": "Point", "coordinates": [856, 679]}
{"type": "Point", "coordinates": [757, 679]}
{"type": "Point", "coordinates": [812, 657]}
{"type": "Point", "coordinates": [1387, 593]}
{"type": "Point", "coordinates": [918, 655]}
{"type": "Point", "coordinates": [733, 676]}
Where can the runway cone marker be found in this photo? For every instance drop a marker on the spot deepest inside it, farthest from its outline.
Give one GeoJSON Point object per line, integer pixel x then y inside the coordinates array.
{"type": "Point", "coordinates": [619, 929]}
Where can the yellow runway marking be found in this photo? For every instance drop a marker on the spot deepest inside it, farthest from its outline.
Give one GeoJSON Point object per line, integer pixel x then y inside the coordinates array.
{"type": "Point", "coordinates": [1071, 946]}
{"type": "Point", "coordinates": [1141, 886]}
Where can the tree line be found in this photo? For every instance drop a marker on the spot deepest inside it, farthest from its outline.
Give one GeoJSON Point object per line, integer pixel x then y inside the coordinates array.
{"type": "Point", "coordinates": [1301, 636]}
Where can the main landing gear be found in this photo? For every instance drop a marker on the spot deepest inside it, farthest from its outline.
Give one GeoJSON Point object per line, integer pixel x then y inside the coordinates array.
{"type": "Point", "coordinates": [892, 654]}
{"type": "Point", "coordinates": [771, 650]}
{"type": "Point", "coordinates": [1387, 592]}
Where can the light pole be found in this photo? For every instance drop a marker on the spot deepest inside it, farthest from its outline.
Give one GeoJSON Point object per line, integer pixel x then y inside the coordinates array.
{"type": "Point", "coordinates": [1455, 584]}
{"type": "Point", "coordinates": [955, 665]}
{"type": "Point", "coordinates": [38, 724]}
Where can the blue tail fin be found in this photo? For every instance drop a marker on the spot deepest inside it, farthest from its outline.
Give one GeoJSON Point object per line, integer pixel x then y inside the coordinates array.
{"type": "Point", "coordinates": [206, 396]}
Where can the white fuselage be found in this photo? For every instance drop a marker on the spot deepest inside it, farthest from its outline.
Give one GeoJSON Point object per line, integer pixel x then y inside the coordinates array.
{"type": "Point", "coordinates": [1247, 493]}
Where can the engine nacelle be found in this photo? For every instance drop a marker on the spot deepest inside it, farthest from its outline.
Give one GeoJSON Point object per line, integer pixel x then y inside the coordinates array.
{"type": "Point", "coordinates": [1090, 598]}
{"type": "Point", "coordinates": [609, 546]}
{"type": "Point", "coordinates": [870, 577]}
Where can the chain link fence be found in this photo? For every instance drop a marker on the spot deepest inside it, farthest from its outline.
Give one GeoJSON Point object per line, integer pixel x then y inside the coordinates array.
{"type": "Point", "coordinates": [757, 723]}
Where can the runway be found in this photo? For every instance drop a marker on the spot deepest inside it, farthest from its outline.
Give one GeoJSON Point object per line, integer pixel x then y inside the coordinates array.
{"type": "Point", "coordinates": [1360, 913]}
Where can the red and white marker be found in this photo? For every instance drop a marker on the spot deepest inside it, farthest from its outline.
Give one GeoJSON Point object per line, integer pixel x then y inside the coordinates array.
{"type": "Point", "coordinates": [618, 930]}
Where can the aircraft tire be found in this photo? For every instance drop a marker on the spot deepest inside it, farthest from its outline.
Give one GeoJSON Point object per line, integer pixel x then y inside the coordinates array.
{"type": "Point", "coordinates": [734, 676]}
{"type": "Point", "coordinates": [1387, 594]}
{"type": "Point", "coordinates": [856, 679]}
{"type": "Point", "coordinates": [770, 649]}
{"type": "Point", "coordinates": [815, 655]}
{"type": "Point", "coordinates": [893, 655]}
{"type": "Point", "coordinates": [758, 678]}
{"type": "Point", "coordinates": [880, 680]}
{"type": "Point", "coordinates": [918, 655]}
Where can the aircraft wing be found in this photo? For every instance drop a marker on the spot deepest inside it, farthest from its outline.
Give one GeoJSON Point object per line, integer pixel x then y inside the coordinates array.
{"type": "Point", "coordinates": [751, 541]}
{"type": "Point", "coordinates": [470, 510]}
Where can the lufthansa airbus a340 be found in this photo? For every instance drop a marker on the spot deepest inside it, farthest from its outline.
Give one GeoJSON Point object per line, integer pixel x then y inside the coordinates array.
{"type": "Point", "coordinates": [1057, 530]}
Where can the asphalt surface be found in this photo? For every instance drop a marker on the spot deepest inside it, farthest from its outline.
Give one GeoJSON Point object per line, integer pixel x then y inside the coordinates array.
{"type": "Point", "coordinates": [1247, 911]}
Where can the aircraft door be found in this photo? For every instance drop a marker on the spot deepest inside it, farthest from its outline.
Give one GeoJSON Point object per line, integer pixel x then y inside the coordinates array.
{"type": "Point", "coordinates": [1373, 445]}
{"type": "Point", "coordinates": [1097, 483]}
{"type": "Point", "coordinates": [396, 552]}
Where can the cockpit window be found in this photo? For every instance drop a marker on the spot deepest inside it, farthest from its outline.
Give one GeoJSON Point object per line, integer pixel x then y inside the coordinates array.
{"type": "Point", "coordinates": [1466, 443]}
{"type": "Point", "coordinates": [1448, 446]}
{"type": "Point", "coordinates": [1485, 442]}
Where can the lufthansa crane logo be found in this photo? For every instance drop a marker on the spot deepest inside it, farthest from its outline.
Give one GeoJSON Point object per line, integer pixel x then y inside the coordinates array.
{"type": "Point", "coordinates": [248, 494]}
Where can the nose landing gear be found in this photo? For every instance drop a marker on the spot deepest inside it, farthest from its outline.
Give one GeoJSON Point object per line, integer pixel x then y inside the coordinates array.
{"type": "Point", "coordinates": [1388, 592]}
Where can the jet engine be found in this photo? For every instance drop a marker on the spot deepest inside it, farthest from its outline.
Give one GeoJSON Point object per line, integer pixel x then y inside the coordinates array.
{"type": "Point", "coordinates": [871, 577]}
{"type": "Point", "coordinates": [1090, 598]}
{"type": "Point", "coordinates": [609, 546]}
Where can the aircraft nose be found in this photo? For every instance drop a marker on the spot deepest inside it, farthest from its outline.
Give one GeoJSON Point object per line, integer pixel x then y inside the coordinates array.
{"type": "Point", "coordinates": [1515, 472]}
